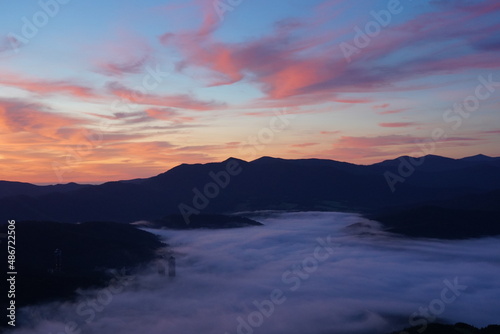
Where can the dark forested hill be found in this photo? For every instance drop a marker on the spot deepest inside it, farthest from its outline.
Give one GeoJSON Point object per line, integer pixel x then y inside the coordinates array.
{"type": "Point", "coordinates": [87, 252]}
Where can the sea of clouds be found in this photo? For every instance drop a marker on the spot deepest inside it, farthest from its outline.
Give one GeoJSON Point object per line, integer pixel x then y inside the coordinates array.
{"type": "Point", "coordinates": [303, 272]}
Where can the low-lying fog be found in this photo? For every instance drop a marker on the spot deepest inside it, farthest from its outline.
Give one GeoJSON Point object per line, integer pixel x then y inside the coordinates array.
{"type": "Point", "coordinates": [301, 273]}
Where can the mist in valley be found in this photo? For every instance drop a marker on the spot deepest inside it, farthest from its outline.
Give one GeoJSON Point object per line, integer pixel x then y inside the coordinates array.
{"type": "Point", "coordinates": [302, 272]}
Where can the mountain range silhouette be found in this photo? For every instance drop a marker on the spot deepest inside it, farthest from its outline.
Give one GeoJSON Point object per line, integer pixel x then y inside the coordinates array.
{"type": "Point", "coordinates": [418, 197]}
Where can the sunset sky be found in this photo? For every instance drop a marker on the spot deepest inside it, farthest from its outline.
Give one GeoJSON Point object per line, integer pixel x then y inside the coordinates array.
{"type": "Point", "coordinates": [93, 91]}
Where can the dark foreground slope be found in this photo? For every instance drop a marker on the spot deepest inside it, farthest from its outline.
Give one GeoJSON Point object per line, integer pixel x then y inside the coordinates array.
{"type": "Point", "coordinates": [459, 328]}
{"type": "Point", "coordinates": [443, 223]}
{"type": "Point", "coordinates": [470, 216]}
{"type": "Point", "coordinates": [91, 254]}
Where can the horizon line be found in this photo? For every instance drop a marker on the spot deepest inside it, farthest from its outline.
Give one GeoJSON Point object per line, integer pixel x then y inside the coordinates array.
{"type": "Point", "coordinates": [44, 184]}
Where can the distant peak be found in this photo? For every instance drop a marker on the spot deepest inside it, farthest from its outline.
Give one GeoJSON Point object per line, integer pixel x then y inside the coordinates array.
{"type": "Point", "coordinates": [187, 166]}
{"type": "Point", "coordinates": [477, 157]}
{"type": "Point", "coordinates": [267, 158]}
{"type": "Point", "coordinates": [433, 156]}
{"type": "Point", "coordinates": [233, 159]}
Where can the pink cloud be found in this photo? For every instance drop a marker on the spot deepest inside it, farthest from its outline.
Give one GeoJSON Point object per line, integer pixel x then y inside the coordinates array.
{"type": "Point", "coordinates": [376, 148]}
{"type": "Point", "coordinates": [18, 116]}
{"type": "Point", "coordinates": [381, 106]}
{"type": "Point", "coordinates": [48, 87]}
{"type": "Point", "coordinates": [168, 114]}
{"type": "Point", "coordinates": [177, 101]}
{"type": "Point", "coordinates": [389, 140]}
{"type": "Point", "coordinates": [171, 118]}
{"type": "Point", "coordinates": [126, 53]}
{"type": "Point", "coordinates": [304, 145]}
{"type": "Point", "coordinates": [397, 124]}
{"type": "Point", "coordinates": [281, 66]}
{"type": "Point", "coordinates": [164, 113]}
{"type": "Point", "coordinates": [130, 66]}
{"type": "Point", "coordinates": [392, 140]}
{"type": "Point", "coordinates": [494, 132]}
{"type": "Point", "coordinates": [270, 58]}
{"type": "Point", "coordinates": [392, 111]}
{"type": "Point", "coordinates": [57, 87]}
